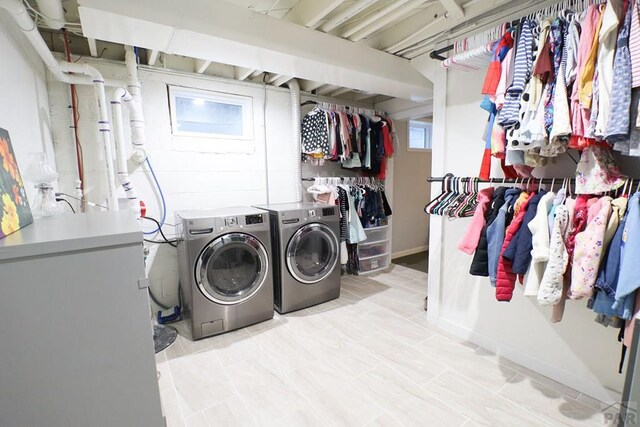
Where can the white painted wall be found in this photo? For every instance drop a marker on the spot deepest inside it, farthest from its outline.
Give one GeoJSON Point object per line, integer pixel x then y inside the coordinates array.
{"type": "Point", "coordinates": [577, 352]}
{"type": "Point", "coordinates": [24, 110]}
{"type": "Point", "coordinates": [195, 173]}
{"type": "Point", "coordinates": [411, 194]}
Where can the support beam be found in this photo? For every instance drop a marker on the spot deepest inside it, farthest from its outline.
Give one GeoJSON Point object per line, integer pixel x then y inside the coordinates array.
{"type": "Point", "coordinates": [453, 8]}
{"type": "Point", "coordinates": [273, 77]}
{"type": "Point", "coordinates": [353, 28]}
{"type": "Point", "coordinates": [240, 73]}
{"type": "Point", "coordinates": [152, 57]}
{"type": "Point", "coordinates": [282, 80]}
{"type": "Point", "coordinates": [346, 14]}
{"type": "Point", "coordinates": [226, 33]}
{"type": "Point", "coordinates": [408, 40]}
{"type": "Point", "coordinates": [363, 96]}
{"type": "Point", "coordinates": [201, 65]}
{"type": "Point", "coordinates": [309, 86]}
{"type": "Point", "coordinates": [339, 92]}
{"type": "Point", "coordinates": [325, 90]}
{"type": "Point", "coordinates": [255, 74]}
{"type": "Point", "coordinates": [310, 12]}
{"type": "Point", "coordinates": [93, 47]}
{"type": "Point", "coordinates": [385, 19]}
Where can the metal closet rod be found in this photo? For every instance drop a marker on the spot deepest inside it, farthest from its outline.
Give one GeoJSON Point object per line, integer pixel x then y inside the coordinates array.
{"type": "Point", "coordinates": [500, 180]}
{"type": "Point", "coordinates": [343, 178]}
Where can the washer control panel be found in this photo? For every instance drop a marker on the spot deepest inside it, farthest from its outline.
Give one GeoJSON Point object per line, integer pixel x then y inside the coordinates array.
{"type": "Point", "coordinates": [328, 211]}
{"type": "Point", "coordinates": [253, 219]}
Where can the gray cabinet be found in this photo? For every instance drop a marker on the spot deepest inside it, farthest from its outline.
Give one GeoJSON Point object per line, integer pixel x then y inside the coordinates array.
{"type": "Point", "coordinates": [76, 345]}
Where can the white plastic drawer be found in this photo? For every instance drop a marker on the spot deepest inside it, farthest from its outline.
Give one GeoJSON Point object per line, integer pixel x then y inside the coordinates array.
{"type": "Point", "coordinates": [371, 265]}
{"type": "Point", "coordinates": [368, 250]}
{"type": "Point", "coordinates": [377, 234]}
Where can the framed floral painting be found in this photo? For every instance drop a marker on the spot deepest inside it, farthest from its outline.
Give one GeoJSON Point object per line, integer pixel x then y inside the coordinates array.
{"type": "Point", "coordinates": [15, 212]}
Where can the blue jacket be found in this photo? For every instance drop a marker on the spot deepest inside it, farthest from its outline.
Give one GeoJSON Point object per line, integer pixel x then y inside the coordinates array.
{"type": "Point", "coordinates": [519, 249]}
{"type": "Point", "coordinates": [629, 280]}
{"type": "Point", "coordinates": [495, 232]}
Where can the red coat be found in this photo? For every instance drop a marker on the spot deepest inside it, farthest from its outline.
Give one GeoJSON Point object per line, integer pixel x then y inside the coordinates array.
{"type": "Point", "coordinates": [506, 280]}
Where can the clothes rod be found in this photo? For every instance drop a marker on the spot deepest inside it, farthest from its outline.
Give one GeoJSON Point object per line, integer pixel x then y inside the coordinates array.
{"type": "Point", "coordinates": [499, 180]}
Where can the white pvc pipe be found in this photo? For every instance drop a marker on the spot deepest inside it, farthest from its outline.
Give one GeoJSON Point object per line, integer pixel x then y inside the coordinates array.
{"type": "Point", "coordinates": [52, 13]}
{"type": "Point", "coordinates": [120, 95]}
{"type": "Point", "coordinates": [60, 71]}
{"type": "Point", "coordinates": [136, 112]}
{"type": "Point", "coordinates": [294, 90]}
{"type": "Point", "coordinates": [103, 124]}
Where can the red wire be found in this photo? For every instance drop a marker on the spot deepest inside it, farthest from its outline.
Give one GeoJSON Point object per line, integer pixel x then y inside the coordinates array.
{"type": "Point", "coordinates": [76, 119]}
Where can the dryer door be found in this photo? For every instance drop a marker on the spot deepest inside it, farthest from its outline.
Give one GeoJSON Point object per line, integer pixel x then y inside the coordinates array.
{"type": "Point", "coordinates": [312, 253]}
{"type": "Point", "coordinates": [232, 268]}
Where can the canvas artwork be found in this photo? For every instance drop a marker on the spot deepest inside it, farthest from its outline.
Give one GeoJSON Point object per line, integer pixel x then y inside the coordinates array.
{"type": "Point", "coordinates": [15, 212]}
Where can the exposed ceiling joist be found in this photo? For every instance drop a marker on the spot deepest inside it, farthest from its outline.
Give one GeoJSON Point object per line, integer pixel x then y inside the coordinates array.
{"type": "Point", "coordinates": [408, 40]}
{"type": "Point", "coordinates": [226, 33]}
{"type": "Point", "coordinates": [453, 8]}
{"type": "Point", "coordinates": [273, 77]}
{"type": "Point", "coordinates": [501, 11]}
{"type": "Point", "coordinates": [309, 86]}
{"type": "Point", "coordinates": [339, 92]}
{"type": "Point", "coordinates": [325, 90]}
{"type": "Point", "coordinates": [201, 65]}
{"type": "Point", "coordinates": [255, 74]}
{"type": "Point", "coordinates": [363, 96]}
{"type": "Point", "coordinates": [282, 80]}
{"type": "Point", "coordinates": [310, 12]}
{"type": "Point", "coordinates": [241, 73]}
{"type": "Point", "coordinates": [346, 14]}
{"type": "Point", "coordinates": [93, 47]}
{"type": "Point", "coordinates": [152, 57]}
{"type": "Point", "coordinates": [385, 19]}
{"type": "Point", "coordinates": [358, 25]}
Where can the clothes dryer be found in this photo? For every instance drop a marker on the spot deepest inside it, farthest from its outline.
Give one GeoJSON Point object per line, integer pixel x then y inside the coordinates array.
{"type": "Point", "coordinates": [306, 247]}
{"type": "Point", "coordinates": [224, 259]}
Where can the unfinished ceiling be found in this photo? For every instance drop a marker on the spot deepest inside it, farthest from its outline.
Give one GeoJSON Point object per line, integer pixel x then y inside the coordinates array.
{"type": "Point", "coordinates": [394, 30]}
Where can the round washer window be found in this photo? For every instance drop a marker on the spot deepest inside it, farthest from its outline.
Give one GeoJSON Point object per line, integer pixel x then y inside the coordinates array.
{"type": "Point", "coordinates": [312, 253]}
{"type": "Point", "coordinates": [232, 268]}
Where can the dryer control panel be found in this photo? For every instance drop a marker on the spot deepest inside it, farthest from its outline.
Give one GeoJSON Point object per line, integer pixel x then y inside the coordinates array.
{"type": "Point", "coordinates": [253, 219]}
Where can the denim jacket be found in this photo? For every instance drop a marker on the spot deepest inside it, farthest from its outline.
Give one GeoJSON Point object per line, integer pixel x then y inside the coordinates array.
{"type": "Point", "coordinates": [495, 232]}
{"type": "Point", "coordinates": [629, 279]}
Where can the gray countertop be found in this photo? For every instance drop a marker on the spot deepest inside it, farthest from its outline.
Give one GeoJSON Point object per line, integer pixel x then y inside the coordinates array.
{"type": "Point", "coordinates": [69, 232]}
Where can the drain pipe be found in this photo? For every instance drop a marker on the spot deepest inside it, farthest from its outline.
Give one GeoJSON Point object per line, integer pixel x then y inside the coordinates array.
{"type": "Point", "coordinates": [59, 70]}
{"type": "Point", "coordinates": [120, 95]}
{"type": "Point", "coordinates": [136, 113]}
{"type": "Point", "coordinates": [103, 124]}
{"type": "Point", "coordinates": [294, 90]}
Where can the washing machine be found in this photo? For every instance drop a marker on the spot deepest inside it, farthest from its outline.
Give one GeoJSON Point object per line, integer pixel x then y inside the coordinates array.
{"type": "Point", "coordinates": [306, 249]}
{"type": "Point", "coordinates": [224, 259]}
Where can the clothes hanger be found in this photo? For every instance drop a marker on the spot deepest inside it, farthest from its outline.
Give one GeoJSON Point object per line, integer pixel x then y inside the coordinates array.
{"type": "Point", "coordinates": [430, 207]}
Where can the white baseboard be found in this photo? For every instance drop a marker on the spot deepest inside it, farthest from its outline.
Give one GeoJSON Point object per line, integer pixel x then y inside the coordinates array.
{"type": "Point", "coordinates": [409, 252]}
{"type": "Point", "coordinates": [583, 385]}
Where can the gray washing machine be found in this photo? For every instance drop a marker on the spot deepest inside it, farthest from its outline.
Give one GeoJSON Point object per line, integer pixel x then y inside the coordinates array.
{"type": "Point", "coordinates": [225, 274]}
{"type": "Point", "coordinates": [306, 248]}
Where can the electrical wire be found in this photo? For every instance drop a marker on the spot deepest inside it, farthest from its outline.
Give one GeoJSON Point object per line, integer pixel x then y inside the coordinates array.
{"type": "Point", "coordinates": [67, 202]}
{"type": "Point", "coordinates": [164, 204]}
{"type": "Point", "coordinates": [80, 200]}
{"type": "Point", "coordinates": [170, 242]}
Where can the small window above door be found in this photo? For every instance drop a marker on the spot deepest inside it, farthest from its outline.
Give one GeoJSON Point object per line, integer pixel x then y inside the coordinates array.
{"type": "Point", "coordinates": [419, 135]}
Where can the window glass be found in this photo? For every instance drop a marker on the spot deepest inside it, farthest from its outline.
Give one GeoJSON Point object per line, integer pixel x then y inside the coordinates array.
{"type": "Point", "coordinates": [210, 114]}
{"type": "Point", "coordinates": [420, 135]}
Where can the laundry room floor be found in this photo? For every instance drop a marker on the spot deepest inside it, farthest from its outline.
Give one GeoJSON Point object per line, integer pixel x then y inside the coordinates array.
{"type": "Point", "coordinates": [366, 359]}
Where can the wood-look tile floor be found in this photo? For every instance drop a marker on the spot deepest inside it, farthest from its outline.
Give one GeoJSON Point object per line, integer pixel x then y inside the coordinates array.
{"type": "Point", "coordinates": [366, 359]}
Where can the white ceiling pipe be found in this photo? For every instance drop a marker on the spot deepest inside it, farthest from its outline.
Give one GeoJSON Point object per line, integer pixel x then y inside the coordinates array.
{"type": "Point", "coordinates": [294, 89]}
{"type": "Point", "coordinates": [19, 13]}
{"type": "Point", "coordinates": [343, 16]}
{"type": "Point", "coordinates": [52, 13]}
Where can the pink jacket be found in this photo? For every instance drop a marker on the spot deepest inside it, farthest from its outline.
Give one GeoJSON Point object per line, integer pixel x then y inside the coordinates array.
{"type": "Point", "coordinates": [469, 242]}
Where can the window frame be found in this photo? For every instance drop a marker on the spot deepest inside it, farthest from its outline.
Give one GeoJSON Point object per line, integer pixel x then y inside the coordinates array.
{"type": "Point", "coordinates": [428, 128]}
{"type": "Point", "coordinates": [246, 102]}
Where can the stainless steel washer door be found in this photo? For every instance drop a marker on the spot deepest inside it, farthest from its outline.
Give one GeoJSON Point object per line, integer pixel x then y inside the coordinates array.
{"type": "Point", "coordinates": [312, 253]}
{"type": "Point", "coordinates": [232, 268]}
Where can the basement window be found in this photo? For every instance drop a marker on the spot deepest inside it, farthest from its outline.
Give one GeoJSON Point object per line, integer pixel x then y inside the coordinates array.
{"type": "Point", "coordinates": [200, 113]}
{"type": "Point", "coordinates": [420, 135]}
